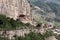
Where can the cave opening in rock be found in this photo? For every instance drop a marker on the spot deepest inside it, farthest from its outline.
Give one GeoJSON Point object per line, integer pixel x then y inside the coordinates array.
{"type": "Point", "coordinates": [21, 15]}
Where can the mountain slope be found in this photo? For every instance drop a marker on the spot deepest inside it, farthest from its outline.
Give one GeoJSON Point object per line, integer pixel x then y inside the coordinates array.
{"type": "Point", "coordinates": [49, 7]}
{"type": "Point", "coordinates": [54, 1]}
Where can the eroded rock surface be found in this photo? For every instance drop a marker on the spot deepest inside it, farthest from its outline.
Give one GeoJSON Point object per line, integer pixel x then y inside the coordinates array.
{"type": "Point", "coordinates": [14, 8]}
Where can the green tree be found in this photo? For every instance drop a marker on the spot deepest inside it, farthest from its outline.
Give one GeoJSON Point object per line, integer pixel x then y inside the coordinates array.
{"type": "Point", "coordinates": [58, 37]}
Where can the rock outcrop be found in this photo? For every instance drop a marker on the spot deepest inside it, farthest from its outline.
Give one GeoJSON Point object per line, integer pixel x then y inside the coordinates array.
{"type": "Point", "coordinates": [16, 9]}
{"type": "Point", "coordinates": [51, 38]}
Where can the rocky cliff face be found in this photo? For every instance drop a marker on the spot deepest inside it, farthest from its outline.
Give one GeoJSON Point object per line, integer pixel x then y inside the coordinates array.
{"type": "Point", "coordinates": [16, 9]}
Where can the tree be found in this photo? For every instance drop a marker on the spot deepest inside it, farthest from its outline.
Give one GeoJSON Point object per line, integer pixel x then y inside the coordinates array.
{"type": "Point", "coordinates": [48, 34]}
{"type": "Point", "coordinates": [58, 37]}
{"type": "Point", "coordinates": [1, 38]}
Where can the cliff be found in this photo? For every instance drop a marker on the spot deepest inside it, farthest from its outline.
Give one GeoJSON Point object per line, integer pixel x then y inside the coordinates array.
{"type": "Point", "coordinates": [16, 9]}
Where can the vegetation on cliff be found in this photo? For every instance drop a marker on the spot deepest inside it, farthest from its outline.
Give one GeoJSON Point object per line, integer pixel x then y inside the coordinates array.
{"type": "Point", "coordinates": [9, 23]}
{"type": "Point", "coordinates": [34, 36]}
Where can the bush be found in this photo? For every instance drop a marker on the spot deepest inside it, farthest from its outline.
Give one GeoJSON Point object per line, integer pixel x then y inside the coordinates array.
{"type": "Point", "coordinates": [1, 38]}
{"type": "Point", "coordinates": [9, 23]}
{"type": "Point", "coordinates": [58, 37]}
{"type": "Point", "coordinates": [31, 36]}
